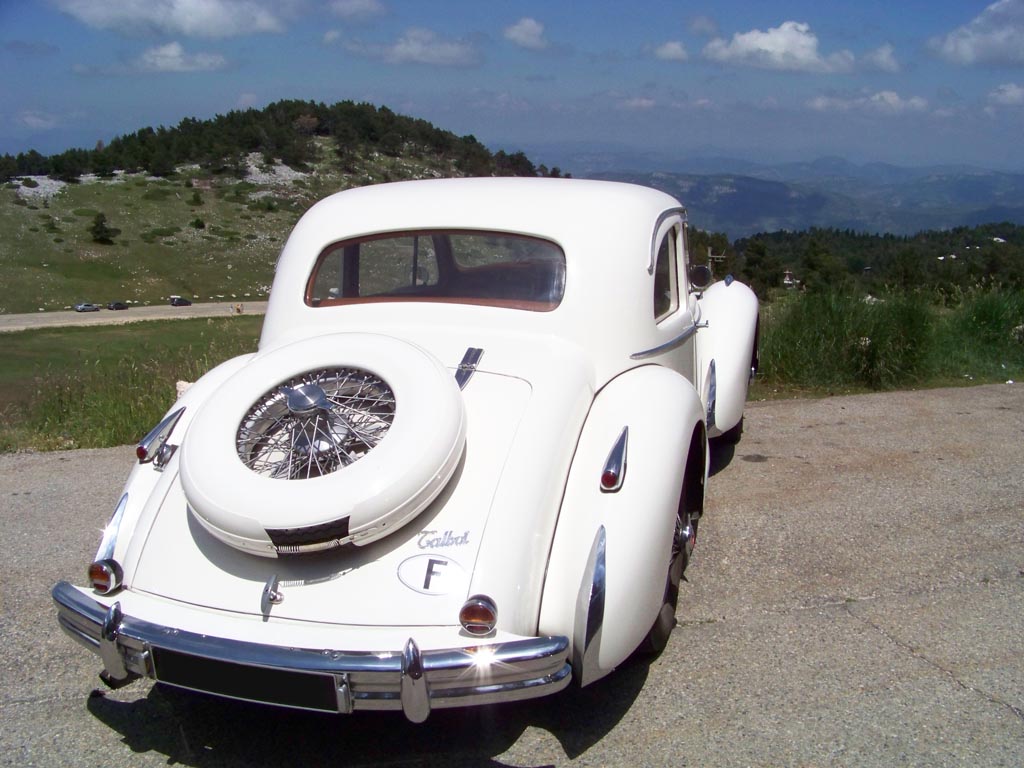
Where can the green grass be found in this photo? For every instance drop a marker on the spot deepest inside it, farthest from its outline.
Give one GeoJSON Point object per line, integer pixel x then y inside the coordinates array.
{"type": "Point", "coordinates": [820, 343]}
{"type": "Point", "coordinates": [108, 385]}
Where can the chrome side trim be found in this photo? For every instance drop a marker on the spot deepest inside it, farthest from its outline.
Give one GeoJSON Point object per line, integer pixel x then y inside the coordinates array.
{"type": "Point", "coordinates": [681, 213]}
{"type": "Point", "coordinates": [615, 464]}
{"type": "Point", "coordinates": [467, 367]}
{"type": "Point", "coordinates": [154, 441]}
{"type": "Point", "coordinates": [513, 670]}
{"type": "Point", "coordinates": [712, 395]}
{"type": "Point", "coordinates": [109, 540]}
{"type": "Point", "coordinates": [590, 614]}
{"type": "Point", "coordinates": [683, 337]}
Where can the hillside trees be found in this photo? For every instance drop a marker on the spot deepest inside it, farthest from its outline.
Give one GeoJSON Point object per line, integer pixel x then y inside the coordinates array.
{"type": "Point", "coordinates": [285, 131]}
{"type": "Point", "coordinates": [941, 260]}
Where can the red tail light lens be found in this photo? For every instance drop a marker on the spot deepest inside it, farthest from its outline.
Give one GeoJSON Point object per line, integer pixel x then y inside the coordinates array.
{"type": "Point", "coordinates": [479, 615]}
{"type": "Point", "coordinates": [105, 576]}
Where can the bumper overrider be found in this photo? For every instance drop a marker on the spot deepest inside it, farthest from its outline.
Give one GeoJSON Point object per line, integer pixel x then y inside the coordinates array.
{"type": "Point", "coordinates": [324, 680]}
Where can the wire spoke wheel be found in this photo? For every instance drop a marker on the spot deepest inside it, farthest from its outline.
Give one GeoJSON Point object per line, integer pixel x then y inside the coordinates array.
{"type": "Point", "coordinates": [315, 423]}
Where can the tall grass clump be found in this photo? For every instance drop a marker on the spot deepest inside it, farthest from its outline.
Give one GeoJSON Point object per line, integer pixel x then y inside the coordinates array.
{"type": "Point", "coordinates": [980, 335]}
{"type": "Point", "coordinates": [833, 340]}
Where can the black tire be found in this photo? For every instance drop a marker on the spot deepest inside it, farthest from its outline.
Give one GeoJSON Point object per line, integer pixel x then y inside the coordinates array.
{"type": "Point", "coordinates": [657, 637]}
{"type": "Point", "coordinates": [684, 538]}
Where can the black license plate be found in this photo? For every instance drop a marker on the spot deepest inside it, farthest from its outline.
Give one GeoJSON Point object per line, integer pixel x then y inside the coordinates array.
{"type": "Point", "coordinates": [240, 681]}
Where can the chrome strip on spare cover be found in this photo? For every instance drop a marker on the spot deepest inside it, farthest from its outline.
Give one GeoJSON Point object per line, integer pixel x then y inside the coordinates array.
{"type": "Point", "coordinates": [413, 681]}
{"type": "Point", "coordinates": [466, 369]}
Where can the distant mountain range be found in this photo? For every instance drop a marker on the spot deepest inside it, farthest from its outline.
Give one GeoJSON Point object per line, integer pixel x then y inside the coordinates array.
{"type": "Point", "coordinates": [741, 197]}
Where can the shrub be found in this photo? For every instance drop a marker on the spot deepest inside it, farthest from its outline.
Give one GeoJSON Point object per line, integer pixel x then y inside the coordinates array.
{"type": "Point", "coordinates": [101, 232]}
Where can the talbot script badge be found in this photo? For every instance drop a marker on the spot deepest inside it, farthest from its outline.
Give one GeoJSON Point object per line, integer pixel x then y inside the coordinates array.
{"type": "Point", "coordinates": [432, 540]}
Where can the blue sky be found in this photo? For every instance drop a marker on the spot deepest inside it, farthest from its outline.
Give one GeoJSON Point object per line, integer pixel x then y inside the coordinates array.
{"type": "Point", "coordinates": [903, 81]}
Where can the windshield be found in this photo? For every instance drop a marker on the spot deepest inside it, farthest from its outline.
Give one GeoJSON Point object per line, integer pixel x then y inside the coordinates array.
{"type": "Point", "coordinates": [489, 268]}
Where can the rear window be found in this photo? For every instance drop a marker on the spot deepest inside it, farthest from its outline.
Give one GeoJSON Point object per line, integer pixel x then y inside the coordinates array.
{"type": "Point", "coordinates": [489, 268]}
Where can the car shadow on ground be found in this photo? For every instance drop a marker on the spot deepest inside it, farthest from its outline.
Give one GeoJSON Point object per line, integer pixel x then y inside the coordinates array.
{"type": "Point", "coordinates": [721, 456]}
{"type": "Point", "coordinates": [199, 730]}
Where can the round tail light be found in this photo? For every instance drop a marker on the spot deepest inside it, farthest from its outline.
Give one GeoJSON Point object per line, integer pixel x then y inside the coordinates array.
{"type": "Point", "coordinates": [105, 576]}
{"type": "Point", "coordinates": [479, 615]}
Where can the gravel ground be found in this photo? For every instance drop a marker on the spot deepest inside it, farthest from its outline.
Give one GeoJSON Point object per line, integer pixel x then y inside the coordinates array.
{"type": "Point", "coordinates": [857, 599]}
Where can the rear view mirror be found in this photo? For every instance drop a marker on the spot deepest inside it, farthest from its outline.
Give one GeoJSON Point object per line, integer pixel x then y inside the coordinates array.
{"type": "Point", "coordinates": [700, 276]}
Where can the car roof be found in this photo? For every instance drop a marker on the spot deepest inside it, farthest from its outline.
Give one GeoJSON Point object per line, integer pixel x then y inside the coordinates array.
{"type": "Point", "coordinates": [553, 208]}
{"type": "Point", "coordinates": [607, 230]}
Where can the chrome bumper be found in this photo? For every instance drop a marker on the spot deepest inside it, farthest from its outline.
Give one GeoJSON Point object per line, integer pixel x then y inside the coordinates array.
{"type": "Point", "coordinates": [411, 680]}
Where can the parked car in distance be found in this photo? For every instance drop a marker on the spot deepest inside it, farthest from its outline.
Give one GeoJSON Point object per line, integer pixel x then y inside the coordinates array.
{"type": "Point", "coordinates": [86, 306]}
{"type": "Point", "coordinates": [117, 305]}
{"type": "Point", "coordinates": [180, 301]}
{"type": "Point", "coordinates": [465, 465]}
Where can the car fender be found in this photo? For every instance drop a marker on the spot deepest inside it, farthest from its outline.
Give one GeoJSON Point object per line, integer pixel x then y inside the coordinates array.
{"type": "Point", "coordinates": [147, 484]}
{"type": "Point", "coordinates": [726, 352]}
{"type": "Point", "coordinates": [606, 572]}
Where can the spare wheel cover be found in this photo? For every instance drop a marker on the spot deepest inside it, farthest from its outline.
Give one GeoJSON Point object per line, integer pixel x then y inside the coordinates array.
{"type": "Point", "coordinates": [363, 496]}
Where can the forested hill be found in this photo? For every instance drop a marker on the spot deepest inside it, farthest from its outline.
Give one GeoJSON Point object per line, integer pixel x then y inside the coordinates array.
{"type": "Point", "coordinates": [288, 131]}
{"type": "Point", "coordinates": [836, 259]}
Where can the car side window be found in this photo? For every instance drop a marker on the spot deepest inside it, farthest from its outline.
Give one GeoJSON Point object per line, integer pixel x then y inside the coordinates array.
{"type": "Point", "coordinates": [666, 279]}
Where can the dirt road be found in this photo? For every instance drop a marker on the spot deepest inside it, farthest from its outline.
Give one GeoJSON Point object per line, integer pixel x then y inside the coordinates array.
{"type": "Point", "coordinates": [857, 599]}
{"type": "Point", "coordinates": [26, 322]}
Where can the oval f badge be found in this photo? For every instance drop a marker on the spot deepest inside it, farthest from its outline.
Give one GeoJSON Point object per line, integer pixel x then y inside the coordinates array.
{"type": "Point", "coordinates": [432, 574]}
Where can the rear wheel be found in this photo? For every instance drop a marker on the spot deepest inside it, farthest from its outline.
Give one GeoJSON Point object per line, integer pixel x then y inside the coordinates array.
{"type": "Point", "coordinates": [683, 540]}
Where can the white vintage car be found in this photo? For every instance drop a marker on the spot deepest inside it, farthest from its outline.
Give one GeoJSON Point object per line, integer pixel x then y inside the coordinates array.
{"type": "Point", "coordinates": [466, 464]}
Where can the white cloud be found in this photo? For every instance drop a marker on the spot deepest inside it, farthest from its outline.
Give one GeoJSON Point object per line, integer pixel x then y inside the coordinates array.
{"type": "Point", "coordinates": [39, 121]}
{"type": "Point", "coordinates": [673, 50]}
{"type": "Point", "coordinates": [420, 46]}
{"type": "Point", "coordinates": [1007, 95]}
{"type": "Point", "coordinates": [995, 36]}
{"type": "Point", "coordinates": [193, 18]}
{"type": "Point", "coordinates": [331, 36]}
{"type": "Point", "coordinates": [527, 33]}
{"type": "Point", "coordinates": [703, 26]}
{"type": "Point", "coordinates": [882, 58]}
{"type": "Point", "coordinates": [791, 46]}
{"type": "Point", "coordinates": [357, 10]}
{"type": "Point", "coordinates": [172, 58]}
{"type": "Point", "coordinates": [884, 102]}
